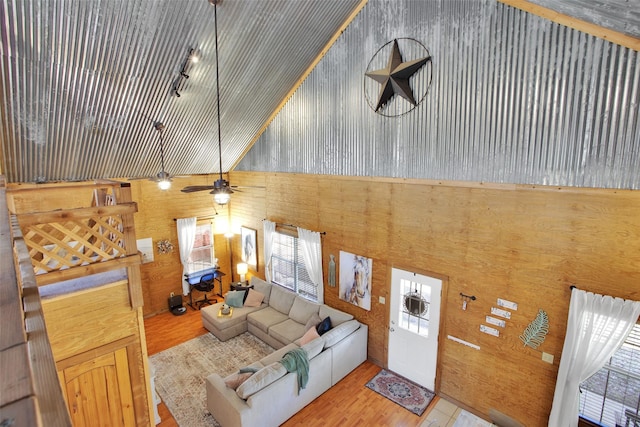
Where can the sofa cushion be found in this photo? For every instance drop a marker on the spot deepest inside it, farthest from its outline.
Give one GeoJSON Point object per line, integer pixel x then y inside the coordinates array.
{"type": "Point", "coordinates": [265, 318]}
{"type": "Point", "coordinates": [314, 347]}
{"type": "Point", "coordinates": [235, 298]}
{"type": "Point", "coordinates": [338, 333]}
{"type": "Point", "coordinates": [261, 379]}
{"type": "Point", "coordinates": [309, 336]}
{"type": "Point", "coordinates": [324, 326]}
{"type": "Point", "coordinates": [262, 287]}
{"type": "Point", "coordinates": [302, 310]}
{"type": "Point", "coordinates": [277, 355]}
{"type": "Point", "coordinates": [253, 298]}
{"type": "Point", "coordinates": [239, 315]}
{"type": "Point", "coordinates": [337, 316]}
{"type": "Point", "coordinates": [313, 321]}
{"type": "Point", "coordinates": [287, 331]}
{"type": "Point", "coordinates": [281, 299]}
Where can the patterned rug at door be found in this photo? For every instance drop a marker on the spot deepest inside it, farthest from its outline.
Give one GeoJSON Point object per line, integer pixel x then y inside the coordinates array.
{"type": "Point", "coordinates": [180, 372]}
{"type": "Point", "coordinates": [400, 390]}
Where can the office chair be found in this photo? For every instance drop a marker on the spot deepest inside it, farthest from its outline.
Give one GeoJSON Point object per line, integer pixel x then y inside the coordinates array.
{"type": "Point", "coordinates": [205, 285]}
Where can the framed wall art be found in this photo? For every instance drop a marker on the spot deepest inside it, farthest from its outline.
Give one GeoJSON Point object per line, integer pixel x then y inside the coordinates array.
{"type": "Point", "coordinates": [355, 279]}
{"type": "Point", "coordinates": [249, 241]}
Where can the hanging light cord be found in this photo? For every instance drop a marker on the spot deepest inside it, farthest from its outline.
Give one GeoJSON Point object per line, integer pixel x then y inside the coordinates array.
{"type": "Point", "coordinates": [161, 152]}
{"type": "Point", "coordinates": [215, 17]}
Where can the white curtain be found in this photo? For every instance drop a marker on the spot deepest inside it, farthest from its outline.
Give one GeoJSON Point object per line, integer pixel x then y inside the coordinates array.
{"type": "Point", "coordinates": [597, 326]}
{"type": "Point", "coordinates": [312, 254]}
{"type": "Point", "coordinates": [268, 228]}
{"type": "Point", "coordinates": [186, 239]}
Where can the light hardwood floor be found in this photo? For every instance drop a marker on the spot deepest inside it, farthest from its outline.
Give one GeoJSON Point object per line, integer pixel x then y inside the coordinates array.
{"type": "Point", "coordinates": [348, 403]}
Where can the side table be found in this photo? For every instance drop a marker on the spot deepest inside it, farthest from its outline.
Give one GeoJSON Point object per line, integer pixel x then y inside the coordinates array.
{"type": "Point", "coordinates": [240, 285]}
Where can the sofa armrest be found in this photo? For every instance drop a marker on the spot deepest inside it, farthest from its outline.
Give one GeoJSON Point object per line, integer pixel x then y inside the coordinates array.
{"type": "Point", "coordinates": [349, 353]}
{"type": "Point", "coordinates": [224, 402]}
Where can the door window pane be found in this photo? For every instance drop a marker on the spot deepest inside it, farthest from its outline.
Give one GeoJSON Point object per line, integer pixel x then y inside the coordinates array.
{"type": "Point", "coordinates": [414, 307]}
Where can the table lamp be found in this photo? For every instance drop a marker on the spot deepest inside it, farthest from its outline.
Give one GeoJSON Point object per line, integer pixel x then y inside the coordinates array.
{"type": "Point", "coordinates": [242, 269]}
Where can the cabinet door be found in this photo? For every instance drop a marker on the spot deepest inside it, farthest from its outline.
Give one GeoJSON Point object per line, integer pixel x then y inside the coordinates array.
{"type": "Point", "coordinates": [98, 391]}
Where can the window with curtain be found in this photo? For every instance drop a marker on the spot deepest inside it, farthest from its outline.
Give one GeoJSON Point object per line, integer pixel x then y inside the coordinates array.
{"type": "Point", "coordinates": [611, 396]}
{"type": "Point", "coordinates": [288, 268]}
{"type": "Point", "coordinates": [202, 255]}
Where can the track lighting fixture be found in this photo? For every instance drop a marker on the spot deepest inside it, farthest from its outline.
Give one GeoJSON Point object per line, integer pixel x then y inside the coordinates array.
{"type": "Point", "coordinates": [192, 57]}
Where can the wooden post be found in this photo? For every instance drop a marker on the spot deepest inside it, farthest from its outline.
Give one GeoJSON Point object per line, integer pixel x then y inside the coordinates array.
{"type": "Point", "coordinates": [123, 196]}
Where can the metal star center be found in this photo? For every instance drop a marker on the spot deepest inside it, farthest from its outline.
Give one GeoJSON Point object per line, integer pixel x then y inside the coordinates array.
{"type": "Point", "coordinates": [394, 79]}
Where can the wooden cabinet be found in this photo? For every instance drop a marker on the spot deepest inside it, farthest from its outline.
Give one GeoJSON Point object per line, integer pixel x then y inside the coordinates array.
{"type": "Point", "coordinates": [100, 353]}
{"type": "Point", "coordinates": [98, 390]}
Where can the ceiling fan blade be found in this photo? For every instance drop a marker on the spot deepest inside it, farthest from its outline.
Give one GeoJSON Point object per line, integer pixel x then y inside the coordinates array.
{"type": "Point", "coordinates": [246, 186]}
{"type": "Point", "coordinates": [194, 188]}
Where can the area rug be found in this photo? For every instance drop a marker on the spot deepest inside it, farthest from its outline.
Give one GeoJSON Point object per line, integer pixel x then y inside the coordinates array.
{"type": "Point", "coordinates": [400, 390]}
{"type": "Point", "coordinates": [180, 373]}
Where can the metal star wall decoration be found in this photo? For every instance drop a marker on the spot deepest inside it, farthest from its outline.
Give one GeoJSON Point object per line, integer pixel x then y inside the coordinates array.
{"type": "Point", "coordinates": [394, 78]}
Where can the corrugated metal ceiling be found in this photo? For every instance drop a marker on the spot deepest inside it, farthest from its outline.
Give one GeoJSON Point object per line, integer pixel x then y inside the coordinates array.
{"type": "Point", "coordinates": [83, 81]}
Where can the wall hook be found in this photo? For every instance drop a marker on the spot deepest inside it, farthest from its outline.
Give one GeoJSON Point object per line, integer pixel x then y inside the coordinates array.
{"type": "Point", "coordinates": [466, 299]}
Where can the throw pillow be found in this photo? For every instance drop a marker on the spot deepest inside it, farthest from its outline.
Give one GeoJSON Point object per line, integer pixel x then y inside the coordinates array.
{"type": "Point", "coordinates": [313, 321]}
{"type": "Point", "coordinates": [254, 298]}
{"type": "Point", "coordinates": [235, 380]}
{"type": "Point", "coordinates": [234, 298]}
{"type": "Point", "coordinates": [246, 293]}
{"type": "Point", "coordinates": [309, 336]}
{"type": "Point", "coordinates": [324, 326]}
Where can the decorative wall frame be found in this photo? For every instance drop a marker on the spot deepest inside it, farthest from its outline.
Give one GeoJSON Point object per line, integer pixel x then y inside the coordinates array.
{"type": "Point", "coordinates": [355, 279]}
{"type": "Point", "coordinates": [249, 244]}
{"type": "Point", "coordinates": [164, 246]}
{"type": "Point", "coordinates": [145, 247]}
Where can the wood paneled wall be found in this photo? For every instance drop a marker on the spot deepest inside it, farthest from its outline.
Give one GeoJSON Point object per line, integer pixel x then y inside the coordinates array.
{"type": "Point", "coordinates": [157, 210]}
{"type": "Point", "coordinates": [525, 244]}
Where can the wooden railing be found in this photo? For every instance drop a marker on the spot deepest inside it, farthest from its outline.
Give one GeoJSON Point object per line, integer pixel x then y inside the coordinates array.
{"type": "Point", "coordinates": [30, 390]}
{"type": "Point", "coordinates": [61, 241]}
{"type": "Point", "coordinates": [66, 244]}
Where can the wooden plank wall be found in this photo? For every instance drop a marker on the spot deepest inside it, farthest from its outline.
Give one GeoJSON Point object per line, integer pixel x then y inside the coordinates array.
{"type": "Point", "coordinates": [526, 244]}
{"type": "Point", "coordinates": [157, 210]}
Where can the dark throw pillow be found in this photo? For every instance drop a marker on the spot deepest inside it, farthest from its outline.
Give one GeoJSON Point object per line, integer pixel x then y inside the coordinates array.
{"type": "Point", "coordinates": [246, 289]}
{"type": "Point", "coordinates": [324, 326]}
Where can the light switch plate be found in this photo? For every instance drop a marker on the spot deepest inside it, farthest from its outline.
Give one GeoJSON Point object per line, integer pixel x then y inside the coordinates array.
{"type": "Point", "coordinates": [546, 357]}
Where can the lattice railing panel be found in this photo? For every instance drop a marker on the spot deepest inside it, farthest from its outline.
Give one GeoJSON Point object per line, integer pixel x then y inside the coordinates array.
{"type": "Point", "coordinates": [59, 245]}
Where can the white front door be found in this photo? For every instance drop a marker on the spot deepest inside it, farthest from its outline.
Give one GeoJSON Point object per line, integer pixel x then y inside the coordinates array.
{"type": "Point", "coordinates": [414, 323]}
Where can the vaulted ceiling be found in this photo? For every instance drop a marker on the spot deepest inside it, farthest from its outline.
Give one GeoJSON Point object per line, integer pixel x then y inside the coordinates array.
{"type": "Point", "coordinates": [82, 82]}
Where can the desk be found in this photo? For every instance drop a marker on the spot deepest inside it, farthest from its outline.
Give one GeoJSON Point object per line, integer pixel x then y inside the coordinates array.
{"type": "Point", "coordinates": [194, 278]}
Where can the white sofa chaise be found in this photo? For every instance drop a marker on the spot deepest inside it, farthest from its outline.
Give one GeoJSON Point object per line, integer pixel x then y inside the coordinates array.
{"type": "Point", "coordinates": [271, 395]}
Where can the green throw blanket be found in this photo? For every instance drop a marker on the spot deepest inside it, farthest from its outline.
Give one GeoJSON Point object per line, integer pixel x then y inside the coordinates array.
{"type": "Point", "coordinates": [296, 360]}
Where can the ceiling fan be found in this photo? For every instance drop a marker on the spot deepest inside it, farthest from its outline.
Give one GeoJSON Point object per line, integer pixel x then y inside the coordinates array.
{"type": "Point", "coordinates": [220, 189]}
{"type": "Point", "coordinates": [162, 178]}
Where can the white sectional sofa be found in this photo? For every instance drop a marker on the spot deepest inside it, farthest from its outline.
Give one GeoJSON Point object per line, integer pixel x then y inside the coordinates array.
{"type": "Point", "coordinates": [271, 395]}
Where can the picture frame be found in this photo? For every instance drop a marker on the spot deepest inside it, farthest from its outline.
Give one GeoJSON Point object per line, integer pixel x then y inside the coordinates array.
{"type": "Point", "coordinates": [249, 245]}
{"type": "Point", "coordinates": [355, 279]}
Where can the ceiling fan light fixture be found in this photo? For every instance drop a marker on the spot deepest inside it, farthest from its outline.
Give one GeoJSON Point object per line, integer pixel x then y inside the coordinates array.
{"type": "Point", "coordinates": [164, 184]}
{"type": "Point", "coordinates": [221, 197]}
